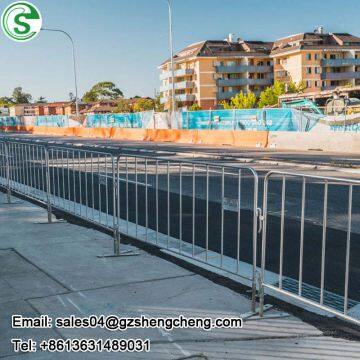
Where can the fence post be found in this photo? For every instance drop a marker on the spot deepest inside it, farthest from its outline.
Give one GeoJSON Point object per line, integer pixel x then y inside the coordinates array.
{"type": "Point", "coordinates": [48, 189]}
{"type": "Point", "coordinates": [7, 166]}
{"type": "Point", "coordinates": [116, 215]}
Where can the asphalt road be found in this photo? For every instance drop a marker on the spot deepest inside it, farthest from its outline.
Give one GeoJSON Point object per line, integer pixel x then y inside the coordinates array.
{"type": "Point", "coordinates": [66, 181]}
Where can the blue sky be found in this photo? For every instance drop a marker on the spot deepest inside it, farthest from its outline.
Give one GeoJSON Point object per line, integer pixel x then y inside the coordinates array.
{"type": "Point", "coordinates": [125, 40]}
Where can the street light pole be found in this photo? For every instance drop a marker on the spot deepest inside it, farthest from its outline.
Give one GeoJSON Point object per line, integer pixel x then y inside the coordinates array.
{"type": "Point", "coordinates": [173, 102]}
{"type": "Point", "coordinates": [74, 64]}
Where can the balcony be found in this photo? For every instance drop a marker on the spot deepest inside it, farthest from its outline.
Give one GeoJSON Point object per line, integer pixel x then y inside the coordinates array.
{"type": "Point", "coordinates": [340, 62]}
{"type": "Point", "coordinates": [226, 95]}
{"type": "Point", "coordinates": [179, 97]}
{"type": "Point", "coordinates": [346, 75]}
{"type": "Point", "coordinates": [236, 69]}
{"type": "Point", "coordinates": [244, 82]}
{"type": "Point", "coordinates": [177, 73]}
{"type": "Point", "coordinates": [178, 85]}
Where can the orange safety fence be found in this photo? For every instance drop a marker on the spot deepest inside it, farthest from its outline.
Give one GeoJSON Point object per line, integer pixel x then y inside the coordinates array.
{"type": "Point", "coordinates": [239, 138]}
{"type": "Point", "coordinates": [128, 134]}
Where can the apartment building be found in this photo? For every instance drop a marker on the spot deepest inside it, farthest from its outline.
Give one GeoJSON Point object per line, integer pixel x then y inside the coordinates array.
{"type": "Point", "coordinates": [322, 60]}
{"type": "Point", "coordinates": [211, 71]}
{"type": "Point", "coordinates": [24, 110]}
{"type": "Point", "coordinates": [53, 108]}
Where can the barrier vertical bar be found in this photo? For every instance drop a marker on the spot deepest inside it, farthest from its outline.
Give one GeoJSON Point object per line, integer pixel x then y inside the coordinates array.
{"type": "Point", "coordinates": [238, 222]}
{"type": "Point", "coordinates": [7, 171]}
{"type": "Point", "coordinates": [263, 248]}
{"type": "Point", "coordinates": [256, 212]}
{"type": "Point", "coordinates": [207, 214]}
{"type": "Point", "coordinates": [180, 207]}
{"type": "Point", "coordinates": [168, 202]}
{"type": "Point", "coordinates": [47, 176]}
{"type": "Point", "coordinates": [301, 261]}
{"type": "Point", "coordinates": [193, 210]}
{"type": "Point", "coordinates": [146, 200]}
{"type": "Point", "coordinates": [157, 198]}
{"type": "Point", "coordinates": [347, 264]}
{"type": "Point", "coordinates": [282, 231]}
{"type": "Point", "coordinates": [222, 215]}
{"type": "Point", "coordinates": [323, 246]}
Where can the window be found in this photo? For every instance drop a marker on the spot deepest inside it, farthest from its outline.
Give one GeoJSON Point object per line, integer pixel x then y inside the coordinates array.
{"type": "Point", "coordinates": [268, 63]}
{"type": "Point", "coordinates": [316, 56]}
{"type": "Point", "coordinates": [317, 70]}
{"type": "Point", "coordinates": [316, 84]}
{"type": "Point", "coordinates": [308, 83]}
{"type": "Point", "coordinates": [332, 56]}
{"type": "Point", "coordinates": [325, 56]}
{"type": "Point", "coordinates": [308, 70]}
{"type": "Point", "coordinates": [308, 56]}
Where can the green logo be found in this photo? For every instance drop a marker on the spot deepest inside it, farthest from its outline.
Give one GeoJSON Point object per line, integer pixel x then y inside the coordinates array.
{"type": "Point", "coordinates": [21, 21]}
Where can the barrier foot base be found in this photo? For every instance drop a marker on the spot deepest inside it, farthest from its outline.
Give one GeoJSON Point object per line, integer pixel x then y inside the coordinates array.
{"type": "Point", "coordinates": [122, 253]}
{"type": "Point", "coordinates": [60, 221]}
{"type": "Point", "coordinates": [255, 315]}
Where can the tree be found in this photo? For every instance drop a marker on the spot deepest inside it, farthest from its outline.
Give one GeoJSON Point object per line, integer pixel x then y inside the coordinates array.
{"type": "Point", "coordinates": [241, 101]}
{"type": "Point", "coordinates": [90, 96]}
{"type": "Point", "coordinates": [159, 107]}
{"type": "Point", "coordinates": [123, 106]}
{"type": "Point", "coordinates": [144, 105]}
{"type": "Point", "coordinates": [41, 100]}
{"type": "Point", "coordinates": [105, 90]}
{"type": "Point", "coordinates": [6, 101]}
{"type": "Point", "coordinates": [20, 97]}
{"type": "Point", "coordinates": [270, 96]}
{"type": "Point", "coordinates": [72, 97]}
{"type": "Point", "coordinates": [195, 107]}
{"type": "Point", "coordinates": [296, 88]}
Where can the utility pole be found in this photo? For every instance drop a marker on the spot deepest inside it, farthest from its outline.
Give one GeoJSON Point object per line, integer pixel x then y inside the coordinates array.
{"type": "Point", "coordinates": [74, 64]}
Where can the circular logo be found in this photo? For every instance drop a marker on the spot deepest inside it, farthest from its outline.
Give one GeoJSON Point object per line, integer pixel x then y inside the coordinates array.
{"type": "Point", "coordinates": [21, 21]}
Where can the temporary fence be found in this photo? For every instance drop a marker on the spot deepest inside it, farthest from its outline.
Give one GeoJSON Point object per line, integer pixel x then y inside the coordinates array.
{"type": "Point", "coordinates": [346, 128]}
{"type": "Point", "coordinates": [127, 120]}
{"type": "Point", "coordinates": [52, 120]}
{"type": "Point", "coordinates": [208, 213]}
{"type": "Point", "coordinates": [201, 211]}
{"type": "Point", "coordinates": [311, 258]}
{"type": "Point", "coordinates": [10, 121]}
{"type": "Point", "coordinates": [247, 119]}
{"type": "Point", "coordinates": [185, 207]}
{"type": "Point", "coordinates": [251, 119]}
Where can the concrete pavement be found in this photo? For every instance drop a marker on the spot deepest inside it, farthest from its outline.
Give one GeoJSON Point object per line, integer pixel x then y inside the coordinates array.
{"type": "Point", "coordinates": [54, 270]}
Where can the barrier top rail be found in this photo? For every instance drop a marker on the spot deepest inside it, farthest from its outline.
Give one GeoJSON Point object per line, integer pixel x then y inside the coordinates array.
{"type": "Point", "coordinates": [310, 176]}
{"type": "Point", "coordinates": [192, 162]}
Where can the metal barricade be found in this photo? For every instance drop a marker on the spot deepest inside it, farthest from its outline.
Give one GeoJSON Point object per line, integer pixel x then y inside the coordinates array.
{"type": "Point", "coordinates": [4, 169]}
{"type": "Point", "coordinates": [82, 183]}
{"type": "Point", "coordinates": [26, 169]}
{"type": "Point", "coordinates": [310, 242]}
{"type": "Point", "coordinates": [202, 211]}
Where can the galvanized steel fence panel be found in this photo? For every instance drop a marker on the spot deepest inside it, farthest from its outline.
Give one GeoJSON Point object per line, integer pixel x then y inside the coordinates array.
{"type": "Point", "coordinates": [307, 255]}
{"type": "Point", "coordinates": [82, 183]}
{"type": "Point", "coordinates": [198, 210]}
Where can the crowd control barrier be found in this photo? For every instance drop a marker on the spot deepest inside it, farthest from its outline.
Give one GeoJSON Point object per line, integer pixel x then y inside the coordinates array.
{"type": "Point", "coordinates": [198, 210]}
{"type": "Point", "coordinates": [208, 213]}
{"type": "Point", "coordinates": [308, 252]}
